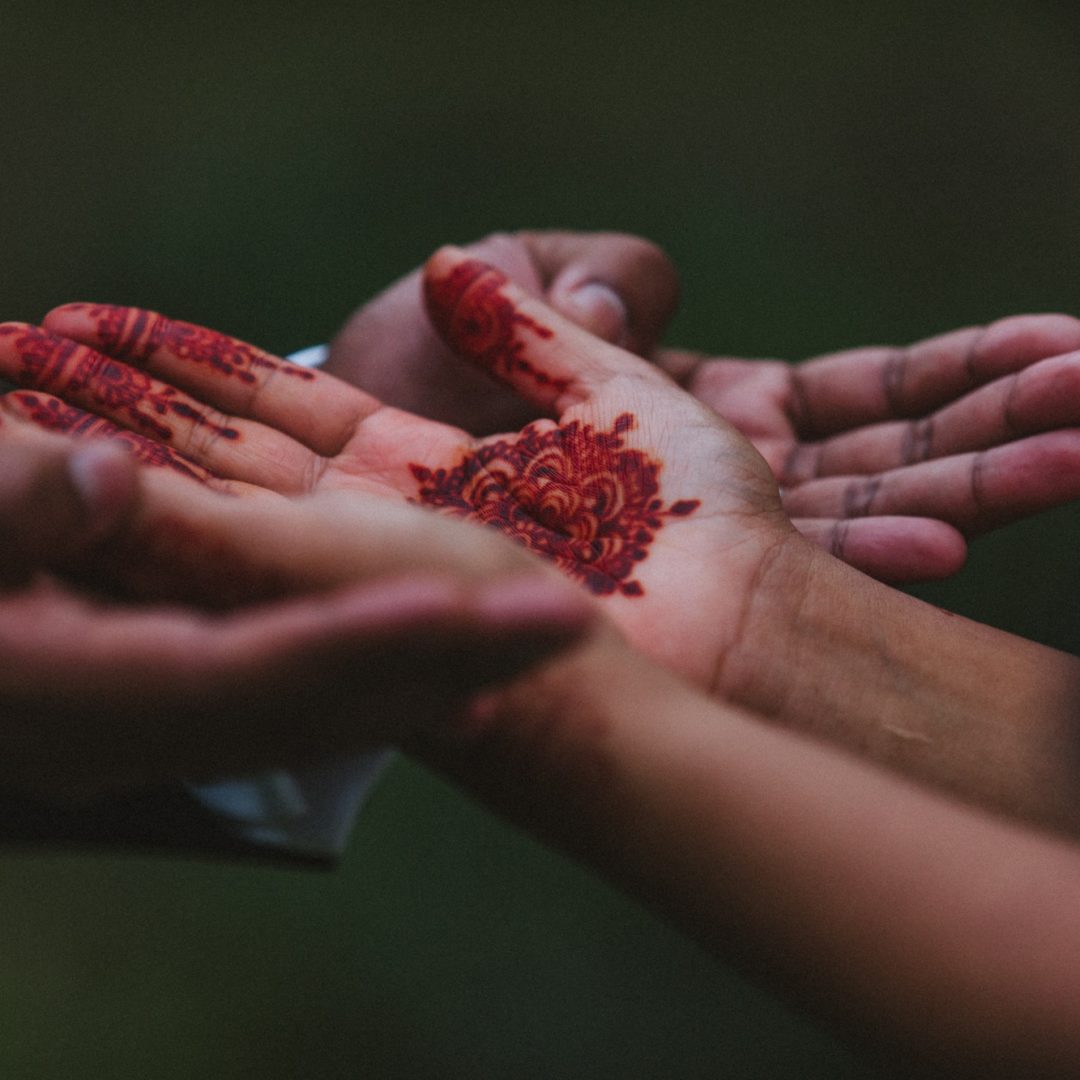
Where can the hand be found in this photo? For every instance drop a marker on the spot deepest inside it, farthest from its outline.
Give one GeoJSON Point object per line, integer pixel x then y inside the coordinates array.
{"type": "Point", "coordinates": [890, 458]}
{"type": "Point", "coordinates": [618, 287]}
{"type": "Point", "coordinates": [97, 695]}
{"type": "Point", "coordinates": [639, 493]}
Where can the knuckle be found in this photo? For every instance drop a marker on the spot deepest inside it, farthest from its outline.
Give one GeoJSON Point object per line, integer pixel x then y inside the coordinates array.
{"type": "Point", "coordinates": [859, 495]}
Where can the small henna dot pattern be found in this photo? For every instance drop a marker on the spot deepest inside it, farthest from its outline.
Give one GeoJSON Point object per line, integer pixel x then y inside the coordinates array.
{"type": "Point", "coordinates": [471, 313]}
{"type": "Point", "coordinates": [573, 494]}
{"type": "Point", "coordinates": [136, 334]}
{"type": "Point", "coordinates": [52, 363]}
{"type": "Point", "coordinates": [53, 415]}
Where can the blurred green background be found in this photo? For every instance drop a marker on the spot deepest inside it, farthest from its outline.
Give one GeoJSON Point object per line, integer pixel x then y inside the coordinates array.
{"type": "Point", "coordinates": [824, 175]}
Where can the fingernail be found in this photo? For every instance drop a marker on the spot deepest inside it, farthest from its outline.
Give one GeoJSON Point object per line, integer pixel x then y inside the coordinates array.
{"type": "Point", "coordinates": [102, 478]}
{"type": "Point", "coordinates": [600, 309]}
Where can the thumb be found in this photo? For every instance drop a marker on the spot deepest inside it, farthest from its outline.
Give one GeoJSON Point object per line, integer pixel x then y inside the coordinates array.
{"type": "Point", "coordinates": [619, 287]}
{"type": "Point", "coordinates": [57, 499]}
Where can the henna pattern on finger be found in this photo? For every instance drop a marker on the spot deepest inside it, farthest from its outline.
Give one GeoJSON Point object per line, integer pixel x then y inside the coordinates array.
{"type": "Point", "coordinates": [859, 496]}
{"type": "Point", "coordinates": [50, 362]}
{"type": "Point", "coordinates": [137, 334]}
{"type": "Point", "coordinates": [474, 317]}
{"type": "Point", "coordinates": [572, 494]}
{"type": "Point", "coordinates": [918, 441]}
{"type": "Point", "coordinates": [53, 415]}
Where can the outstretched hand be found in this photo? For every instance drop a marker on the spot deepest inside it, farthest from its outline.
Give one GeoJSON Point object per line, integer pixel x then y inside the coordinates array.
{"type": "Point", "coordinates": [891, 458]}
{"type": "Point", "coordinates": [638, 492]}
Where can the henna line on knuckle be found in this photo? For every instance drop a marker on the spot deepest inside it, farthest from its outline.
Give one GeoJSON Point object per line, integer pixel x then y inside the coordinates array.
{"type": "Point", "coordinates": [893, 375]}
{"type": "Point", "coordinates": [970, 371]}
{"type": "Point", "coordinates": [918, 441]}
{"type": "Point", "coordinates": [1008, 417]}
{"type": "Point", "coordinates": [799, 404]}
{"type": "Point", "coordinates": [859, 496]}
{"type": "Point", "coordinates": [838, 544]}
{"type": "Point", "coordinates": [788, 475]}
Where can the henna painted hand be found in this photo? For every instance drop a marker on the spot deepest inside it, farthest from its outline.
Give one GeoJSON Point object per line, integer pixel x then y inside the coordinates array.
{"type": "Point", "coordinates": [619, 287]}
{"type": "Point", "coordinates": [97, 694]}
{"type": "Point", "coordinates": [886, 457]}
{"type": "Point", "coordinates": [890, 458]}
{"type": "Point", "coordinates": [639, 492]}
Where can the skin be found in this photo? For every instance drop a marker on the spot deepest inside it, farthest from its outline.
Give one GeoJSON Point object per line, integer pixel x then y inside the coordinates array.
{"type": "Point", "coordinates": [948, 934]}
{"type": "Point", "coordinates": [731, 596]}
{"type": "Point", "coordinates": [892, 458]}
{"type": "Point", "coordinates": [620, 288]}
{"type": "Point", "coordinates": [319, 435]}
{"type": "Point", "coordinates": [935, 937]}
{"type": "Point", "coordinates": [845, 434]}
{"type": "Point", "coordinates": [97, 693]}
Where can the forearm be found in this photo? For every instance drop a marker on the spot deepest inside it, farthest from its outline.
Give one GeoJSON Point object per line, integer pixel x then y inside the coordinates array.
{"type": "Point", "coordinates": [907, 919]}
{"type": "Point", "coordinates": [981, 713]}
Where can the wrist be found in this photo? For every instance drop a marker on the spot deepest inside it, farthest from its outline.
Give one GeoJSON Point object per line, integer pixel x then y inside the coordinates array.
{"type": "Point", "coordinates": [830, 652]}
{"type": "Point", "coordinates": [757, 669]}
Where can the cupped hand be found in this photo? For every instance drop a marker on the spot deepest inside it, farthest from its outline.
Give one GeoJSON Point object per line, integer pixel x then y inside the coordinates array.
{"type": "Point", "coordinates": [893, 457]}
{"type": "Point", "coordinates": [99, 693]}
{"type": "Point", "coordinates": [620, 288]}
{"type": "Point", "coordinates": [638, 492]}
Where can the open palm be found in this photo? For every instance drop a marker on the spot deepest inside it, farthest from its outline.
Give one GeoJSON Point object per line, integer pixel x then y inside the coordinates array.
{"type": "Point", "coordinates": [637, 491]}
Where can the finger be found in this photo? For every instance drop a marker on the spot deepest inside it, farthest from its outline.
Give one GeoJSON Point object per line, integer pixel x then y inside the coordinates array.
{"type": "Point", "coordinates": [189, 544]}
{"type": "Point", "coordinates": [51, 414]}
{"type": "Point", "coordinates": [235, 448]}
{"type": "Point", "coordinates": [862, 386]}
{"type": "Point", "coordinates": [488, 320]}
{"type": "Point", "coordinates": [620, 288]}
{"type": "Point", "coordinates": [361, 664]}
{"type": "Point", "coordinates": [238, 379]}
{"type": "Point", "coordinates": [58, 498]}
{"type": "Point", "coordinates": [974, 492]}
{"type": "Point", "coordinates": [898, 550]}
{"type": "Point", "coordinates": [1041, 397]}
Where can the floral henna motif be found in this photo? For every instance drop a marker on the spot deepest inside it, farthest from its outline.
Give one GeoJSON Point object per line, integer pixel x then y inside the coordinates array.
{"type": "Point", "coordinates": [470, 312]}
{"type": "Point", "coordinates": [49, 362]}
{"type": "Point", "coordinates": [135, 334]}
{"type": "Point", "coordinates": [570, 493]}
{"type": "Point", "coordinates": [53, 415]}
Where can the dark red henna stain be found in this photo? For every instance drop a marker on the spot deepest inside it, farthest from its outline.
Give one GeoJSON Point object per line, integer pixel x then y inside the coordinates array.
{"type": "Point", "coordinates": [570, 493]}
{"type": "Point", "coordinates": [134, 334]}
{"type": "Point", "coordinates": [53, 362]}
{"type": "Point", "coordinates": [54, 415]}
{"type": "Point", "coordinates": [471, 314]}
